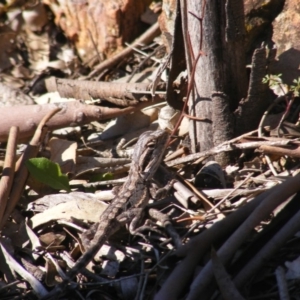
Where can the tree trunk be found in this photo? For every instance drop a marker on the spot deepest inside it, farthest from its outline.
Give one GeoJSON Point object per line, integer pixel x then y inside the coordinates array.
{"type": "Point", "coordinates": [216, 28]}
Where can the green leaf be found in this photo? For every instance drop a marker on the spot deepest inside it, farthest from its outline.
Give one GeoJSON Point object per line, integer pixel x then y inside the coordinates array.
{"type": "Point", "coordinates": [48, 172]}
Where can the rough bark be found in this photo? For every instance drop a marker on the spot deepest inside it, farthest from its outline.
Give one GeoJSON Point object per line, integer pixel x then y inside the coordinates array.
{"type": "Point", "coordinates": [222, 124]}
{"type": "Point", "coordinates": [123, 94]}
{"type": "Point", "coordinates": [98, 27]}
{"type": "Point", "coordinates": [220, 68]}
{"type": "Point", "coordinates": [252, 108]}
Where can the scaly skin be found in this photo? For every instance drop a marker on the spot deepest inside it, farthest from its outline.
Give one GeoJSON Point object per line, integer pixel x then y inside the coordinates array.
{"type": "Point", "coordinates": [134, 193]}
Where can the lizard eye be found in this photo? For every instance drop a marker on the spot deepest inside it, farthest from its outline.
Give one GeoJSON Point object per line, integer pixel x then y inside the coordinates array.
{"type": "Point", "coordinates": [147, 157]}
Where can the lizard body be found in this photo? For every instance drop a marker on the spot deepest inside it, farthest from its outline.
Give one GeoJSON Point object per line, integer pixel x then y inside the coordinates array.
{"type": "Point", "coordinates": [134, 193]}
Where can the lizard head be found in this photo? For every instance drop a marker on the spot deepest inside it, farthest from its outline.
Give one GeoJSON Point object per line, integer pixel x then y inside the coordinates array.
{"type": "Point", "coordinates": [148, 152]}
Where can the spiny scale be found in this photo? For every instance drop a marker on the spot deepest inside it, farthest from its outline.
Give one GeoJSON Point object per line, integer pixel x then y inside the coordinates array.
{"type": "Point", "coordinates": [134, 193]}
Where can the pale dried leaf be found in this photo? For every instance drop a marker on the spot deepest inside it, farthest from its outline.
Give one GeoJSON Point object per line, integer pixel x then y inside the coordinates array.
{"type": "Point", "coordinates": [51, 97]}
{"type": "Point", "coordinates": [168, 118]}
{"type": "Point", "coordinates": [184, 127]}
{"type": "Point", "coordinates": [129, 122]}
{"type": "Point", "coordinates": [87, 163]}
{"type": "Point", "coordinates": [53, 200]}
{"type": "Point", "coordinates": [37, 287]}
{"type": "Point", "coordinates": [15, 19]}
{"type": "Point", "coordinates": [63, 152]}
{"type": "Point", "coordinates": [35, 242]}
{"type": "Point", "coordinates": [84, 209]}
{"type": "Point", "coordinates": [50, 272]}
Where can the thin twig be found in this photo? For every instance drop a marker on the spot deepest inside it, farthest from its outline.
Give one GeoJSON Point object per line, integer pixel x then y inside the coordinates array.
{"type": "Point", "coordinates": [9, 168]}
{"type": "Point", "coordinates": [225, 147]}
{"type": "Point", "coordinates": [21, 170]}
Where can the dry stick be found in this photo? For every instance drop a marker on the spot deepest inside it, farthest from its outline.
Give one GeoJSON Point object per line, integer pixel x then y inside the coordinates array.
{"type": "Point", "coordinates": [145, 38]}
{"type": "Point", "coordinates": [279, 195]}
{"type": "Point", "coordinates": [230, 193]}
{"type": "Point", "coordinates": [72, 114]}
{"type": "Point", "coordinates": [260, 132]}
{"type": "Point", "coordinates": [8, 169]}
{"type": "Point", "coordinates": [294, 151]}
{"type": "Point", "coordinates": [198, 246]}
{"type": "Point", "coordinates": [227, 146]}
{"type": "Point", "coordinates": [206, 203]}
{"type": "Point", "coordinates": [144, 61]}
{"type": "Point", "coordinates": [227, 288]}
{"type": "Point", "coordinates": [286, 232]}
{"type": "Point", "coordinates": [21, 170]}
{"type": "Point", "coordinates": [125, 94]}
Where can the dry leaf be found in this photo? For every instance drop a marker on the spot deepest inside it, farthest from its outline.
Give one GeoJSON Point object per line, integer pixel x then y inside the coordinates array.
{"type": "Point", "coordinates": [88, 209]}
{"type": "Point", "coordinates": [63, 152]}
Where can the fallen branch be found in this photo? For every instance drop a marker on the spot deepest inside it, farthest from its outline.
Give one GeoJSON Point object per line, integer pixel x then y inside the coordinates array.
{"type": "Point", "coordinates": [266, 252]}
{"type": "Point", "coordinates": [194, 251]}
{"type": "Point", "coordinates": [123, 94]}
{"type": "Point", "coordinates": [72, 113]}
{"type": "Point", "coordinates": [226, 147]}
{"type": "Point", "coordinates": [279, 194]}
{"type": "Point", "coordinates": [292, 151]}
{"type": "Point", "coordinates": [248, 216]}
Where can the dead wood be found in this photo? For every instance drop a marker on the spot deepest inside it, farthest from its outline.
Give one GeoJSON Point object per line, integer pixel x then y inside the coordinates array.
{"type": "Point", "coordinates": [8, 169]}
{"type": "Point", "coordinates": [227, 146]}
{"type": "Point", "coordinates": [145, 38]}
{"type": "Point", "coordinates": [250, 110]}
{"type": "Point", "coordinates": [261, 206]}
{"type": "Point", "coordinates": [72, 114]}
{"type": "Point", "coordinates": [217, 82]}
{"type": "Point", "coordinates": [197, 247]}
{"type": "Point", "coordinates": [126, 93]}
{"type": "Point", "coordinates": [279, 194]}
{"type": "Point", "coordinates": [98, 27]}
{"type": "Point", "coordinates": [219, 63]}
{"type": "Point", "coordinates": [292, 151]}
{"type": "Point", "coordinates": [21, 170]}
{"type": "Point", "coordinates": [277, 241]}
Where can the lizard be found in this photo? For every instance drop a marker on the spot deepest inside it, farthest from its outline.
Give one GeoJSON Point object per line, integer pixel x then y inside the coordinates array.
{"type": "Point", "coordinates": [133, 195]}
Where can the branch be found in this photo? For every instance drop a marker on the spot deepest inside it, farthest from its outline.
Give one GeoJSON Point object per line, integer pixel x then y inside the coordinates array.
{"type": "Point", "coordinates": [73, 113]}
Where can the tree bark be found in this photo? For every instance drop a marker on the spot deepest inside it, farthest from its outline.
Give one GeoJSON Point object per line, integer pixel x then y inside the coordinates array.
{"type": "Point", "coordinates": [220, 69]}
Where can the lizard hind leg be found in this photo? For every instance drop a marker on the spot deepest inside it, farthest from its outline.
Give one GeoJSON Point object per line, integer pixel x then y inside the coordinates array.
{"type": "Point", "coordinates": [133, 216]}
